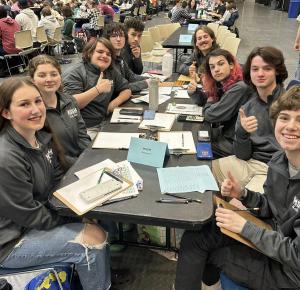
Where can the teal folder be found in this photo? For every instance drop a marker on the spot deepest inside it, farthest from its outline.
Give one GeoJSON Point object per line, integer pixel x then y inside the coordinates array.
{"type": "Point", "coordinates": [147, 152]}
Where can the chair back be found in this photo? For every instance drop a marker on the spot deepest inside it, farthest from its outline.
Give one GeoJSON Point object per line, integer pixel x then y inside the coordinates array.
{"type": "Point", "coordinates": [100, 21]}
{"type": "Point", "coordinates": [292, 83]}
{"type": "Point", "coordinates": [222, 36]}
{"type": "Point", "coordinates": [136, 11]}
{"type": "Point", "coordinates": [41, 35]}
{"type": "Point", "coordinates": [23, 39]}
{"type": "Point", "coordinates": [143, 10]}
{"type": "Point", "coordinates": [155, 34]}
{"type": "Point", "coordinates": [57, 37]}
{"type": "Point", "coordinates": [232, 45]}
{"type": "Point", "coordinates": [116, 17]}
{"type": "Point", "coordinates": [166, 30]}
{"type": "Point", "coordinates": [214, 27]}
{"type": "Point", "coordinates": [221, 29]}
{"type": "Point", "coordinates": [146, 43]}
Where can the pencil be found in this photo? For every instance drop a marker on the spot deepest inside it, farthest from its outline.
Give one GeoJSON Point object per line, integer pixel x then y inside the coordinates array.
{"type": "Point", "coordinates": [247, 209]}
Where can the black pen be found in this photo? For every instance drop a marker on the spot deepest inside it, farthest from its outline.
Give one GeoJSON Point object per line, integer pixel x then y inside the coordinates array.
{"type": "Point", "coordinates": [114, 176]}
{"type": "Point", "coordinates": [190, 199]}
{"type": "Point", "coordinates": [172, 200]}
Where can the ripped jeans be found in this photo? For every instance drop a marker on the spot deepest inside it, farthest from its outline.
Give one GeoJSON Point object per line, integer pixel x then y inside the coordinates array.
{"type": "Point", "coordinates": [63, 244]}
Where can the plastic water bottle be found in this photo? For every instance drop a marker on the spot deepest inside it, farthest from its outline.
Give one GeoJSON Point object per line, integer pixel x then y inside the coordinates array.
{"type": "Point", "coordinates": [153, 94]}
{"type": "Point", "coordinates": [167, 64]}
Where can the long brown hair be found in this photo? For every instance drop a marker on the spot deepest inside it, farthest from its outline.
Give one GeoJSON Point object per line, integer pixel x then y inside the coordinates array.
{"type": "Point", "coordinates": [7, 90]}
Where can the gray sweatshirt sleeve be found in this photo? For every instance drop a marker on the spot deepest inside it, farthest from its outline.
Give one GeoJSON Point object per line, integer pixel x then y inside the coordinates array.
{"type": "Point", "coordinates": [242, 144]}
{"type": "Point", "coordinates": [73, 82]}
{"type": "Point", "coordinates": [16, 193]}
{"type": "Point", "coordinates": [227, 106]}
{"type": "Point", "coordinates": [274, 245]}
{"type": "Point", "coordinates": [136, 82]}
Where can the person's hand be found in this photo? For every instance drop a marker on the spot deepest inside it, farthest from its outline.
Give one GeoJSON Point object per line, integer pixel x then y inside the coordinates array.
{"type": "Point", "coordinates": [103, 85]}
{"type": "Point", "coordinates": [248, 123]}
{"type": "Point", "coordinates": [112, 105]}
{"type": "Point", "coordinates": [231, 187]}
{"type": "Point", "coordinates": [136, 51]}
{"type": "Point", "coordinates": [192, 70]}
{"type": "Point", "coordinates": [148, 82]}
{"type": "Point", "coordinates": [192, 86]}
{"type": "Point", "coordinates": [297, 46]}
{"type": "Point", "coordinates": [229, 220]}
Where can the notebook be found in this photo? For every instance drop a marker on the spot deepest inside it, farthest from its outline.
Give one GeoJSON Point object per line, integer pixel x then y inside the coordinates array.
{"type": "Point", "coordinates": [162, 121]}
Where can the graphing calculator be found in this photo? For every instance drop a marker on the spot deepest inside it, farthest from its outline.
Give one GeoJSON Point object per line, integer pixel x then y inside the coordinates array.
{"type": "Point", "coordinates": [204, 151]}
{"type": "Point", "coordinates": [190, 118]}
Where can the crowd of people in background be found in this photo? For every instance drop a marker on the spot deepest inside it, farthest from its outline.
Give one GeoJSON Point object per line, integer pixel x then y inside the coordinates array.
{"type": "Point", "coordinates": [49, 118]}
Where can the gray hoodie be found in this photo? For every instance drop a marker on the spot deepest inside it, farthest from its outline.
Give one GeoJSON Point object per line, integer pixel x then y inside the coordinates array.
{"type": "Point", "coordinates": [50, 23]}
{"type": "Point", "coordinates": [27, 177]}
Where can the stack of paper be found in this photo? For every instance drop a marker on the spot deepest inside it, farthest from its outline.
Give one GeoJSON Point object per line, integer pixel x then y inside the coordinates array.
{"type": "Point", "coordinates": [186, 179]}
{"type": "Point", "coordinates": [184, 109]}
{"type": "Point", "coordinates": [118, 118]}
{"type": "Point", "coordinates": [163, 93]}
{"type": "Point", "coordinates": [178, 141]}
{"type": "Point", "coordinates": [182, 94]}
{"type": "Point", "coordinates": [163, 122]}
{"type": "Point", "coordinates": [161, 78]}
{"type": "Point", "coordinates": [111, 140]}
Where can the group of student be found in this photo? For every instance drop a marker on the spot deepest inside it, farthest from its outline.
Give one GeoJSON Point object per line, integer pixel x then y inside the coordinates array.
{"type": "Point", "coordinates": [43, 129]}
{"type": "Point", "coordinates": [225, 13]}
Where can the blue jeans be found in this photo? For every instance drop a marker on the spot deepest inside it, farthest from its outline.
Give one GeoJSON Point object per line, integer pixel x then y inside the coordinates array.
{"type": "Point", "coordinates": [63, 244]}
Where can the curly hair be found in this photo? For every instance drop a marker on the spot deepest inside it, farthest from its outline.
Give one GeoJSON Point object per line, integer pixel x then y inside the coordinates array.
{"type": "Point", "coordinates": [134, 23]}
{"type": "Point", "coordinates": [271, 56]}
{"type": "Point", "coordinates": [112, 28]}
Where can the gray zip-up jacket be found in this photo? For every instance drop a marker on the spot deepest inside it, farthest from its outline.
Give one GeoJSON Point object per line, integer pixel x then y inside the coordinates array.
{"type": "Point", "coordinates": [261, 144]}
{"type": "Point", "coordinates": [135, 64]}
{"type": "Point", "coordinates": [136, 82]}
{"type": "Point", "coordinates": [68, 125]}
{"type": "Point", "coordinates": [83, 76]}
{"type": "Point", "coordinates": [224, 112]}
{"type": "Point", "coordinates": [281, 204]}
{"type": "Point", "coordinates": [27, 177]}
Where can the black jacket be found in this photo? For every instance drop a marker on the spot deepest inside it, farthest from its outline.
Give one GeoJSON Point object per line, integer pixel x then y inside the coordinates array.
{"type": "Point", "coordinates": [135, 64]}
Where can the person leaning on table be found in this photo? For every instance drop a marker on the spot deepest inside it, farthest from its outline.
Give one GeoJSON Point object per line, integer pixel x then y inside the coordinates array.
{"type": "Point", "coordinates": [31, 165]}
{"type": "Point", "coordinates": [224, 92]}
{"type": "Point", "coordinates": [94, 80]}
{"type": "Point", "coordinates": [275, 264]}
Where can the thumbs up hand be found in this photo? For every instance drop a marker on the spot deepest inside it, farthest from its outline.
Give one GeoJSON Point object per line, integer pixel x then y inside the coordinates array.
{"type": "Point", "coordinates": [248, 123]}
{"type": "Point", "coordinates": [192, 69]}
{"type": "Point", "coordinates": [231, 187]}
{"type": "Point", "coordinates": [103, 85]}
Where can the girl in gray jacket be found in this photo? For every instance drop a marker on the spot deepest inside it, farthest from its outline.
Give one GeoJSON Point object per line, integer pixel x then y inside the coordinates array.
{"type": "Point", "coordinates": [31, 163]}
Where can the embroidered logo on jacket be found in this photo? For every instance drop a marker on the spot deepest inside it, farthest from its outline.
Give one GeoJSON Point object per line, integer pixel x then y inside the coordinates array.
{"type": "Point", "coordinates": [49, 155]}
{"type": "Point", "coordinates": [296, 204]}
{"type": "Point", "coordinates": [72, 113]}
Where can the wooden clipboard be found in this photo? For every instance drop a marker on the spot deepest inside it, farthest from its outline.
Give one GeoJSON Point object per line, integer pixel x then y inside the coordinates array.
{"type": "Point", "coordinates": [70, 194]}
{"type": "Point", "coordinates": [245, 214]}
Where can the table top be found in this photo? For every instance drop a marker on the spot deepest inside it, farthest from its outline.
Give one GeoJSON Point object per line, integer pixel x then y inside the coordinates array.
{"type": "Point", "coordinates": [200, 21]}
{"type": "Point", "coordinates": [143, 208]}
{"type": "Point", "coordinates": [173, 40]}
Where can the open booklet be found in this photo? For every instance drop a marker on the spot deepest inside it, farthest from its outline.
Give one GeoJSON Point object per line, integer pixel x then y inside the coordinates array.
{"type": "Point", "coordinates": [162, 121]}
{"type": "Point", "coordinates": [245, 214]}
{"type": "Point", "coordinates": [178, 141]}
{"type": "Point", "coordinates": [74, 195]}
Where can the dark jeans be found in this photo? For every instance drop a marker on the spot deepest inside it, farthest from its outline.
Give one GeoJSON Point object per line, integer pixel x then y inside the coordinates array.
{"type": "Point", "coordinates": [204, 254]}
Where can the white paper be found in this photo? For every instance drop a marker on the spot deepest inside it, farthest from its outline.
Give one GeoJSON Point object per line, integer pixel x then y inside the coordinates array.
{"type": "Point", "coordinates": [96, 167]}
{"type": "Point", "coordinates": [145, 98]}
{"type": "Point", "coordinates": [163, 121]}
{"type": "Point", "coordinates": [118, 118]}
{"type": "Point", "coordinates": [182, 94]}
{"type": "Point", "coordinates": [160, 77]}
{"type": "Point", "coordinates": [111, 140]}
{"type": "Point", "coordinates": [184, 109]}
{"type": "Point", "coordinates": [179, 140]}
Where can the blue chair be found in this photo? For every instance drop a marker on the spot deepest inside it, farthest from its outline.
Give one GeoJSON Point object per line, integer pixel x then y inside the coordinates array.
{"type": "Point", "coordinates": [292, 83]}
{"type": "Point", "coordinates": [13, 274]}
{"type": "Point", "coordinates": [228, 284]}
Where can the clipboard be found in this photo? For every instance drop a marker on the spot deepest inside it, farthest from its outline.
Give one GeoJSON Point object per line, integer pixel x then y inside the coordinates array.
{"type": "Point", "coordinates": [70, 194]}
{"type": "Point", "coordinates": [245, 214]}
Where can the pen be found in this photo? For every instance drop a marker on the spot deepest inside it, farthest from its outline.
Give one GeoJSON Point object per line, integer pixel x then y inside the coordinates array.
{"type": "Point", "coordinates": [172, 200]}
{"type": "Point", "coordinates": [128, 118]}
{"type": "Point", "coordinates": [189, 199]}
{"type": "Point", "coordinates": [247, 209]}
{"type": "Point", "coordinates": [182, 140]}
{"type": "Point", "coordinates": [119, 199]}
{"type": "Point", "coordinates": [100, 176]}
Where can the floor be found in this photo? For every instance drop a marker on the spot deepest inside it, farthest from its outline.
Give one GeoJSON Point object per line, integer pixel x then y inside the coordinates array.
{"type": "Point", "coordinates": [258, 26]}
